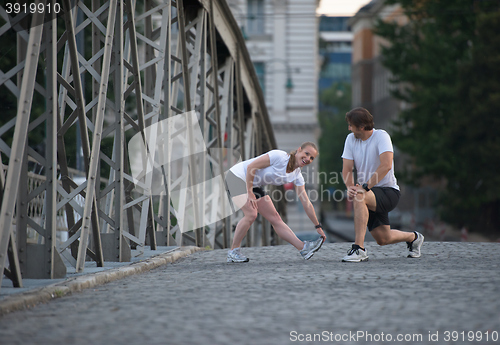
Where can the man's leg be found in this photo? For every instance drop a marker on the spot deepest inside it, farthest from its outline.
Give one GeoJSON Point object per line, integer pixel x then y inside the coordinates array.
{"type": "Point", "coordinates": [384, 235]}
{"type": "Point", "coordinates": [362, 203]}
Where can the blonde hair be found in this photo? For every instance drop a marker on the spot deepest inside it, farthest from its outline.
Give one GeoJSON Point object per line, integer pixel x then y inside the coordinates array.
{"type": "Point", "coordinates": [291, 161]}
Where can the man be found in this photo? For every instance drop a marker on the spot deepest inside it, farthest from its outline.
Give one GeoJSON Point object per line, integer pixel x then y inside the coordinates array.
{"type": "Point", "coordinates": [376, 192]}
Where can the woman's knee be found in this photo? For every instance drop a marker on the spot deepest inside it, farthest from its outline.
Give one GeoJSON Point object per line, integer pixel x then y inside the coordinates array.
{"type": "Point", "coordinates": [251, 216]}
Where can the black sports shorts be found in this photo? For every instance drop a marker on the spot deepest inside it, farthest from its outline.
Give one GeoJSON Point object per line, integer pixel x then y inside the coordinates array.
{"type": "Point", "coordinates": [237, 186]}
{"type": "Point", "coordinates": [387, 199]}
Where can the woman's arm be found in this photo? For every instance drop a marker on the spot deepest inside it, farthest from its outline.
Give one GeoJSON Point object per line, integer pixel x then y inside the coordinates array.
{"type": "Point", "coordinates": [259, 163]}
{"type": "Point", "coordinates": [309, 208]}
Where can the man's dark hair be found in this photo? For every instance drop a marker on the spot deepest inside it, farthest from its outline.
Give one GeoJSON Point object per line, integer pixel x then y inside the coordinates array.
{"type": "Point", "coordinates": [360, 117]}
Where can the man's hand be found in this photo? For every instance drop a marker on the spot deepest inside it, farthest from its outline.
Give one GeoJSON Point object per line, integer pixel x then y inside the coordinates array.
{"type": "Point", "coordinates": [353, 191]}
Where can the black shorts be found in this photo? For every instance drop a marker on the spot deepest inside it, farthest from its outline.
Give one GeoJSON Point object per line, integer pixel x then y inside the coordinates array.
{"type": "Point", "coordinates": [237, 186]}
{"type": "Point", "coordinates": [387, 199]}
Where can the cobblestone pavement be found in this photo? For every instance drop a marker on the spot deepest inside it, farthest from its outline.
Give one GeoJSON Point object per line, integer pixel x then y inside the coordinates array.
{"type": "Point", "coordinates": [278, 298]}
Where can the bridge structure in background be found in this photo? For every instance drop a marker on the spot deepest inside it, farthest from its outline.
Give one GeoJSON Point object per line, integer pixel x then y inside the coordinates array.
{"type": "Point", "coordinates": [111, 70]}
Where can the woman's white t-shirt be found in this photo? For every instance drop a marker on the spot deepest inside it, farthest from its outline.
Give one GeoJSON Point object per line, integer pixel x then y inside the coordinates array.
{"type": "Point", "coordinates": [275, 174]}
{"type": "Point", "coordinates": [366, 156]}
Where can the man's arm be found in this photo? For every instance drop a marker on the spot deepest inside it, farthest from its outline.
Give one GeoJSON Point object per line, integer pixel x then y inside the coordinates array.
{"type": "Point", "coordinates": [382, 170]}
{"type": "Point", "coordinates": [348, 176]}
{"type": "Point", "coordinates": [347, 173]}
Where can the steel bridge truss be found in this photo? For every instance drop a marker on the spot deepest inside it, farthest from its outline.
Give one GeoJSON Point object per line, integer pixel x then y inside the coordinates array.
{"type": "Point", "coordinates": [144, 62]}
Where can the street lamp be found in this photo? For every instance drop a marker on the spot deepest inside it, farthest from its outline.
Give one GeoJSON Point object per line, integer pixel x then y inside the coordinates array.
{"type": "Point", "coordinates": [289, 82]}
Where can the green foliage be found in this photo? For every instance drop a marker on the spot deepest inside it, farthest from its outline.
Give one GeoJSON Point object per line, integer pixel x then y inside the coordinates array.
{"type": "Point", "coordinates": [336, 101]}
{"type": "Point", "coordinates": [474, 188]}
{"type": "Point", "coordinates": [446, 61]}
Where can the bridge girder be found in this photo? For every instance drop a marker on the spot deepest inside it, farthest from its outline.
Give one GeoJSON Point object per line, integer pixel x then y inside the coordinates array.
{"type": "Point", "coordinates": [111, 70]}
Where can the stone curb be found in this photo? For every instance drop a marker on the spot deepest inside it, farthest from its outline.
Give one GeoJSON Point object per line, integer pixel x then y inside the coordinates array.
{"type": "Point", "coordinates": [42, 295]}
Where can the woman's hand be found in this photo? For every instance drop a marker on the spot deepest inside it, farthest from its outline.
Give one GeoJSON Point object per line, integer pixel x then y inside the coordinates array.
{"type": "Point", "coordinates": [321, 233]}
{"type": "Point", "coordinates": [252, 199]}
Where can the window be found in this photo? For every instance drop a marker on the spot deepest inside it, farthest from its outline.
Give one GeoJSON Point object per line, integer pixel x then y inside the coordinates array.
{"type": "Point", "coordinates": [260, 69]}
{"type": "Point", "coordinates": [255, 17]}
{"type": "Point", "coordinates": [337, 71]}
{"type": "Point", "coordinates": [334, 23]}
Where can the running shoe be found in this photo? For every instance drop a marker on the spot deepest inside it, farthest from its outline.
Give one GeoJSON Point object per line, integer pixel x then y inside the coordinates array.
{"type": "Point", "coordinates": [414, 246]}
{"type": "Point", "coordinates": [356, 254]}
{"type": "Point", "coordinates": [235, 256]}
{"type": "Point", "coordinates": [311, 247]}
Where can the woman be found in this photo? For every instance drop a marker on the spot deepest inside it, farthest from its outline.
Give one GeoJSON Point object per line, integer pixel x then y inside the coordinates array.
{"type": "Point", "coordinates": [276, 167]}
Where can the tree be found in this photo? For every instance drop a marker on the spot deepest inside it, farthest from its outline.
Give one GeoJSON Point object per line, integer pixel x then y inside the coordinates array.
{"type": "Point", "coordinates": [474, 190]}
{"type": "Point", "coordinates": [336, 101]}
{"type": "Point", "coordinates": [434, 58]}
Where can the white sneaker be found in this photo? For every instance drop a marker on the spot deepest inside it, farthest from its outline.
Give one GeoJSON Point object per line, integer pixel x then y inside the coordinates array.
{"type": "Point", "coordinates": [414, 246]}
{"type": "Point", "coordinates": [356, 254]}
{"type": "Point", "coordinates": [311, 247]}
{"type": "Point", "coordinates": [235, 256]}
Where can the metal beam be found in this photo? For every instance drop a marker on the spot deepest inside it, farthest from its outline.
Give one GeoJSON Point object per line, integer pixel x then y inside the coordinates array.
{"type": "Point", "coordinates": [20, 134]}
{"type": "Point", "coordinates": [90, 204]}
{"type": "Point", "coordinates": [162, 61]}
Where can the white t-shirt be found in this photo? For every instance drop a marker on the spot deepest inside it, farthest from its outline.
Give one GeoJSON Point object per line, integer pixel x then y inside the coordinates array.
{"type": "Point", "coordinates": [366, 156]}
{"type": "Point", "coordinates": [275, 174]}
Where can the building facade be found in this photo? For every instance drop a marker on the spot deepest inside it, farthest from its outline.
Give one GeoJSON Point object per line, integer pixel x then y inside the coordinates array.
{"type": "Point", "coordinates": [371, 85]}
{"type": "Point", "coordinates": [282, 40]}
{"type": "Point", "coordinates": [335, 51]}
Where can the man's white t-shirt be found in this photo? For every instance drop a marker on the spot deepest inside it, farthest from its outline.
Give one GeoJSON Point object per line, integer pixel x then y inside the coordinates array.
{"type": "Point", "coordinates": [366, 156]}
{"type": "Point", "coordinates": [275, 174]}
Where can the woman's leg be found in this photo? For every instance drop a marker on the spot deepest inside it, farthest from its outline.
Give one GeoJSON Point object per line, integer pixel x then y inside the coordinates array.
{"type": "Point", "coordinates": [267, 210]}
{"type": "Point", "coordinates": [250, 214]}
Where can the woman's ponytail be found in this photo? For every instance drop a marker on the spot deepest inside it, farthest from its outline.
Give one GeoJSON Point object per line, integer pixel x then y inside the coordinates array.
{"type": "Point", "coordinates": [291, 161]}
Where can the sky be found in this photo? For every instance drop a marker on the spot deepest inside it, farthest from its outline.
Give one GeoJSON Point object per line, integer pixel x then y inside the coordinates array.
{"type": "Point", "coordinates": [340, 7]}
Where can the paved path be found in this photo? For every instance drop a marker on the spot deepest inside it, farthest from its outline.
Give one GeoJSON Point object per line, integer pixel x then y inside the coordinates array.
{"type": "Point", "coordinates": [277, 298]}
{"type": "Point", "coordinates": [139, 262]}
